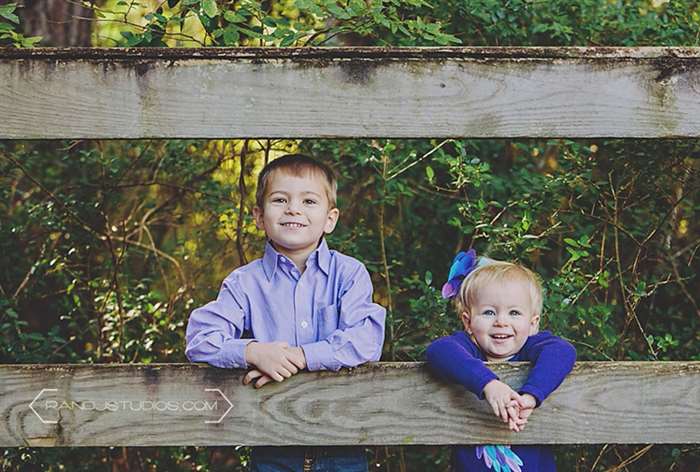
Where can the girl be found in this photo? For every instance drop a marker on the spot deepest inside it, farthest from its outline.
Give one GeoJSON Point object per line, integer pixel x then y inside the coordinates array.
{"type": "Point", "coordinates": [500, 306]}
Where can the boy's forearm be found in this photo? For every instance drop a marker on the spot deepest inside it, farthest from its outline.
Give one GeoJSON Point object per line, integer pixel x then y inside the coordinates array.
{"type": "Point", "coordinates": [212, 349]}
{"type": "Point", "coordinates": [347, 348]}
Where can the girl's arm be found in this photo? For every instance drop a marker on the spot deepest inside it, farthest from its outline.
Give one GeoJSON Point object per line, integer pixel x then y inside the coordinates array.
{"type": "Point", "coordinates": [552, 359]}
{"type": "Point", "coordinates": [456, 359]}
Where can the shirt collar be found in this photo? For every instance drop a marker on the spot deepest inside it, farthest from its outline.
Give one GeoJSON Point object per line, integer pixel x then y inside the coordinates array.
{"type": "Point", "coordinates": [271, 258]}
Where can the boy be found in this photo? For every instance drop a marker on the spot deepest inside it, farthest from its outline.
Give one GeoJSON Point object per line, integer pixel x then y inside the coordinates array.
{"type": "Point", "coordinates": [300, 306]}
{"type": "Point", "coordinates": [500, 305]}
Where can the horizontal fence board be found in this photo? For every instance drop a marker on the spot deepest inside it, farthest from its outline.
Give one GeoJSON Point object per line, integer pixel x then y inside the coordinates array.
{"type": "Point", "coordinates": [384, 403]}
{"type": "Point", "coordinates": [349, 92]}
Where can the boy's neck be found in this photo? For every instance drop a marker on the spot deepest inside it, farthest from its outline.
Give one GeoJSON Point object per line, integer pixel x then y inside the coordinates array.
{"type": "Point", "coordinates": [299, 258]}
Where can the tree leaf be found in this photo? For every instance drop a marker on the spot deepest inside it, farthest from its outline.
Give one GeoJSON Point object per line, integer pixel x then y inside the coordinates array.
{"type": "Point", "coordinates": [210, 8]}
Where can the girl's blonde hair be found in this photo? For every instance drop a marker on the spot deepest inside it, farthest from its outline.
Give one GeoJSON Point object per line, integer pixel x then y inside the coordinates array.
{"type": "Point", "coordinates": [497, 271]}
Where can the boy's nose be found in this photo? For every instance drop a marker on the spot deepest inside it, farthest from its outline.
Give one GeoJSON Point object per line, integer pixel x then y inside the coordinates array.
{"type": "Point", "coordinates": [292, 209]}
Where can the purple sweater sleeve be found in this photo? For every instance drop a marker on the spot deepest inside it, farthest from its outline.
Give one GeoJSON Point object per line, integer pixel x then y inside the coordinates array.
{"type": "Point", "coordinates": [552, 359]}
{"type": "Point", "coordinates": [457, 359]}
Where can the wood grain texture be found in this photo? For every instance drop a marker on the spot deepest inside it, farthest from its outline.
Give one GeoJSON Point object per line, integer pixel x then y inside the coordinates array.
{"type": "Point", "coordinates": [384, 403]}
{"type": "Point", "coordinates": [350, 92]}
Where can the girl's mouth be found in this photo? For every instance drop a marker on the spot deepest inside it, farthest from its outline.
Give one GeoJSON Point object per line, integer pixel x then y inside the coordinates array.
{"type": "Point", "coordinates": [501, 336]}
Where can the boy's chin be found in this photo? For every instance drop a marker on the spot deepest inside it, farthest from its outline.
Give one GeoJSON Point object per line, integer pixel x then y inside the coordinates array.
{"type": "Point", "coordinates": [291, 247]}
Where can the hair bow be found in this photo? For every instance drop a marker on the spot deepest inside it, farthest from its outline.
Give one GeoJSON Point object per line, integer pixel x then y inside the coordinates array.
{"type": "Point", "coordinates": [463, 264]}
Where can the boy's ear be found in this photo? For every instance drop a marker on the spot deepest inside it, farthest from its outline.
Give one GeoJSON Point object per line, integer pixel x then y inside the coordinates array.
{"type": "Point", "coordinates": [331, 220]}
{"type": "Point", "coordinates": [258, 216]}
{"type": "Point", "coordinates": [466, 321]}
{"type": "Point", "coordinates": [534, 324]}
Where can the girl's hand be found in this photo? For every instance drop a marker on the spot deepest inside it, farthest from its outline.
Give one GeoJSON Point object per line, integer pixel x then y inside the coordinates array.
{"type": "Point", "coordinates": [519, 411]}
{"type": "Point", "coordinates": [500, 396]}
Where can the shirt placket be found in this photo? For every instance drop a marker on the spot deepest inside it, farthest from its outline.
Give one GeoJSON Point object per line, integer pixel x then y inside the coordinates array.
{"type": "Point", "coordinates": [303, 329]}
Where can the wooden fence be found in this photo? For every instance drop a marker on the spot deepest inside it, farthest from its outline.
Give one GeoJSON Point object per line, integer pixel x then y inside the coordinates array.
{"type": "Point", "coordinates": [385, 403]}
{"type": "Point", "coordinates": [362, 92]}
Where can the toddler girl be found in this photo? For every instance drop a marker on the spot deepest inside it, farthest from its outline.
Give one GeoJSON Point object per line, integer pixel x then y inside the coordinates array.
{"type": "Point", "coordinates": [500, 306]}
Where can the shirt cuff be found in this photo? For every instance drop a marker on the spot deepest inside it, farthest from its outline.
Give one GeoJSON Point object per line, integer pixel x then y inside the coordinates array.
{"type": "Point", "coordinates": [319, 356]}
{"type": "Point", "coordinates": [232, 353]}
{"type": "Point", "coordinates": [483, 382]}
{"type": "Point", "coordinates": [534, 391]}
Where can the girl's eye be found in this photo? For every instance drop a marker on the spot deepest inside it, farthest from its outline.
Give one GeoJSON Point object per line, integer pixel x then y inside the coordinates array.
{"type": "Point", "coordinates": [515, 313]}
{"type": "Point", "coordinates": [489, 313]}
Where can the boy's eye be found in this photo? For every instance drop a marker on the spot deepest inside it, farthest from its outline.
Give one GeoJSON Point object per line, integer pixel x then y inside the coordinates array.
{"type": "Point", "coordinates": [489, 313]}
{"type": "Point", "coordinates": [515, 313]}
{"type": "Point", "coordinates": [279, 200]}
{"type": "Point", "coordinates": [309, 201]}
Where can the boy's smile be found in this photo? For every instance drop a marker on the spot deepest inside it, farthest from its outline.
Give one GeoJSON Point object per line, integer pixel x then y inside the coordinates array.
{"type": "Point", "coordinates": [502, 319]}
{"type": "Point", "coordinates": [296, 214]}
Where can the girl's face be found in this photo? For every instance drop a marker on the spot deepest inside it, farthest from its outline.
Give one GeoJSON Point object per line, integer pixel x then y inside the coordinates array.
{"type": "Point", "coordinates": [501, 319]}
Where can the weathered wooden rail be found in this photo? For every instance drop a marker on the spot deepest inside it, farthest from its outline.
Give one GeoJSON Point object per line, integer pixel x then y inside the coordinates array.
{"type": "Point", "coordinates": [385, 403]}
{"type": "Point", "coordinates": [349, 92]}
{"type": "Point", "coordinates": [345, 93]}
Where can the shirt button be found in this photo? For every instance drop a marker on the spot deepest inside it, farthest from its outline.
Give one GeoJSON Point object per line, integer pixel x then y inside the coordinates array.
{"type": "Point", "coordinates": [304, 324]}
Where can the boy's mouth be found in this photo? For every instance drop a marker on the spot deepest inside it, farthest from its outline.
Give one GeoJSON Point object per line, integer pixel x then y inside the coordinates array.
{"type": "Point", "coordinates": [293, 225]}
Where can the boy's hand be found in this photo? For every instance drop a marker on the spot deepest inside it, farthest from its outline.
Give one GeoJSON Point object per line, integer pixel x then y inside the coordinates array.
{"type": "Point", "coordinates": [274, 359]}
{"type": "Point", "coordinates": [500, 396]}
{"type": "Point", "coordinates": [262, 379]}
{"type": "Point", "coordinates": [293, 355]}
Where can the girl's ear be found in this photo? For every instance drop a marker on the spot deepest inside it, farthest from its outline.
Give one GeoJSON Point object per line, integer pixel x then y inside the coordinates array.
{"type": "Point", "coordinates": [534, 324]}
{"type": "Point", "coordinates": [466, 321]}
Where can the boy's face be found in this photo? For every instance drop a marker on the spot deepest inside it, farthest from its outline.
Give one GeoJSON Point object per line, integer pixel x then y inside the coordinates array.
{"type": "Point", "coordinates": [295, 212]}
{"type": "Point", "coordinates": [502, 319]}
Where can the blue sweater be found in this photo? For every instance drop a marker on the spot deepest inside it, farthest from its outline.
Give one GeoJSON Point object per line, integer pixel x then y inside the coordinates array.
{"type": "Point", "coordinates": [458, 359]}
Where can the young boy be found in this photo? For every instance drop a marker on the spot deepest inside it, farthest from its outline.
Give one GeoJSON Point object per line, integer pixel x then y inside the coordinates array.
{"type": "Point", "coordinates": [300, 306]}
{"type": "Point", "coordinates": [500, 305]}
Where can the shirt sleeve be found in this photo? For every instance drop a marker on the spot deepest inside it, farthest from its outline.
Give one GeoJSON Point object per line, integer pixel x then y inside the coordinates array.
{"type": "Point", "coordinates": [214, 330]}
{"type": "Point", "coordinates": [552, 359]}
{"type": "Point", "coordinates": [456, 359]}
{"type": "Point", "coordinates": [360, 334]}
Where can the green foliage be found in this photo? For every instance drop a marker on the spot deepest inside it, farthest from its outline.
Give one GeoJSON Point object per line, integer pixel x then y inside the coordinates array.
{"type": "Point", "coordinates": [9, 22]}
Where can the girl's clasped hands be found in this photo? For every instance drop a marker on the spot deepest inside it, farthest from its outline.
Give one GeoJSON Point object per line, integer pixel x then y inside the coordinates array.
{"type": "Point", "coordinates": [512, 407]}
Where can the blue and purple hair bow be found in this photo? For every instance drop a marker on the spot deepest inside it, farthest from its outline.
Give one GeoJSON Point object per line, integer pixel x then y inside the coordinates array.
{"type": "Point", "coordinates": [463, 264]}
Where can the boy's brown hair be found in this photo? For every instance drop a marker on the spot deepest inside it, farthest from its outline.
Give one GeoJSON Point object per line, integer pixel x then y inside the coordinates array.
{"type": "Point", "coordinates": [498, 271]}
{"type": "Point", "coordinates": [298, 165]}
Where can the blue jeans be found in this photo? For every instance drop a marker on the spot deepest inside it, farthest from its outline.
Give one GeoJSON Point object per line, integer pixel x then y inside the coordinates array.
{"type": "Point", "coordinates": [308, 459]}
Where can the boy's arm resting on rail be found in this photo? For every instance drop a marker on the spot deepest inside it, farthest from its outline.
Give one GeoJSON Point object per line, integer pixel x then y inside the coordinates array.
{"type": "Point", "coordinates": [214, 330]}
{"type": "Point", "coordinates": [552, 358]}
{"type": "Point", "coordinates": [360, 334]}
{"type": "Point", "coordinates": [455, 358]}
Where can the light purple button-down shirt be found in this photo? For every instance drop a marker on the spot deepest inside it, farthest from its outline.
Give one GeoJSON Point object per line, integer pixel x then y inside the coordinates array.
{"type": "Point", "coordinates": [327, 310]}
